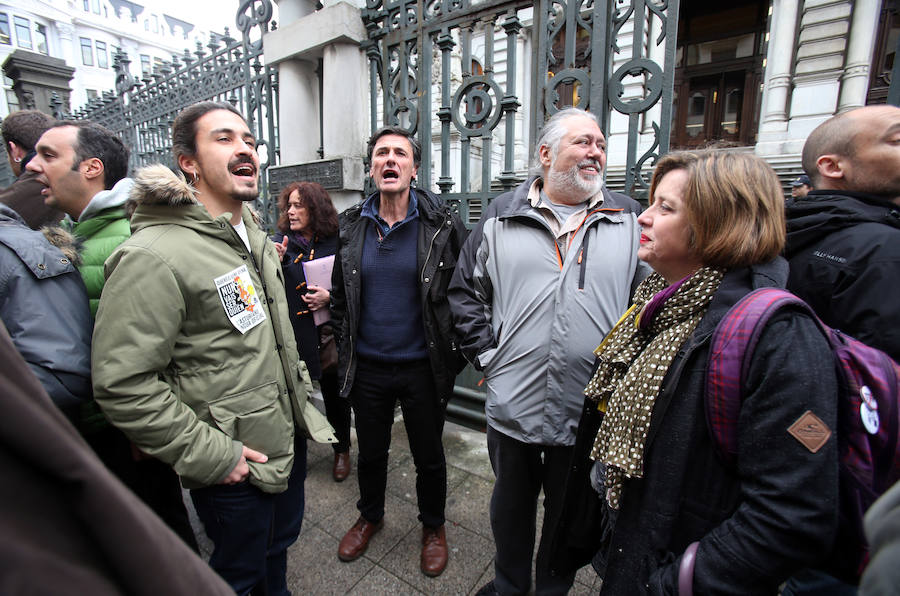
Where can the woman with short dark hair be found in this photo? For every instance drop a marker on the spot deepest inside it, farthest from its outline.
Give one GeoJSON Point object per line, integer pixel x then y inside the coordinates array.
{"type": "Point", "coordinates": [308, 223]}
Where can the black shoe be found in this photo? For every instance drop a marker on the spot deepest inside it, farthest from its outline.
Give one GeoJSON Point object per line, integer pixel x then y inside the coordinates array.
{"type": "Point", "coordinates": [488, 589]}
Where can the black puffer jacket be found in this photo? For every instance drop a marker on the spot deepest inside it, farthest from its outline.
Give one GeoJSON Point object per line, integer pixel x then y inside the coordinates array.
{"type": "Point", "coordinates": [756, 524]}
{"type": "Point", "coordinates": [440, 236]}
{"type": "Point", "coordinates": [844, 252]}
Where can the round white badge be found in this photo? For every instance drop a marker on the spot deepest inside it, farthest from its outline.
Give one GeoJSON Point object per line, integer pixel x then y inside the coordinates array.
{"type": "Point", "coordinates": [867, 397]}
{"type": "Point", "coordinates": [869, 418]}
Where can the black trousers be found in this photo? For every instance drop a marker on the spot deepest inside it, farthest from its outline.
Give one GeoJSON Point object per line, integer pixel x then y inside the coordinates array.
{"type": "Point", "coordinates": [377, 387]}
{"type": "Point", "coordinates": [522, 470]}
{"type": "Point", "coordinates": [337, 410]}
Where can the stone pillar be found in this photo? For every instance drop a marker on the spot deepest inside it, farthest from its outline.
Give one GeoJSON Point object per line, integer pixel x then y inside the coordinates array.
{"type": "Point", "coordinates": [298, 116]}
{"type": "Point", "coordinates": [36, 77]}
{"type": "Point", "coordinates": [298, 93]}
{"type": "Point", "coordinates": [333, 35]}
{"type": "Point", "coordinates": [778, 67]}
{"type": "Point", "coordinates": [346, 130]}
{"type": "Point", "coordinates": [855, 80]}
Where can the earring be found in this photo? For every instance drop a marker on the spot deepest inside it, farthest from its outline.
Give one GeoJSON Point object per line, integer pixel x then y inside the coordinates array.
{"type": "Point", "coordinates": [17, 159]}
{"type": "Point", "coordinates": [196, 178]}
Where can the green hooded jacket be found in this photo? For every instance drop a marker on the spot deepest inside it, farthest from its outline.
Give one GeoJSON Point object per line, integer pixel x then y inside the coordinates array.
{"type": "Point", "coordinates": [101, 227]}
{"type": "Point", "coordinates": [193, 352]}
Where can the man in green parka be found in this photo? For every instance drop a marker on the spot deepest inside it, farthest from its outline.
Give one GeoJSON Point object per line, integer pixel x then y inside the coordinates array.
{"type": "Point", "coordinates": [194, 354]}
{"type": "Point", "coordinates": [82, 167]}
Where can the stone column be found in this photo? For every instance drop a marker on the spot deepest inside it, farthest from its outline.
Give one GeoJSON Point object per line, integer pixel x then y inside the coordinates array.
{"type": "Point", "coordinates": [344, 110]}
{"type": "Point", "coordinates": [855, 80]}
{"type": "Point", "coordinates": [778, 67]}
{"type": "Point", "coordinates": [298, 93]}
{"type": "Point", "coordinates": [332, 34]}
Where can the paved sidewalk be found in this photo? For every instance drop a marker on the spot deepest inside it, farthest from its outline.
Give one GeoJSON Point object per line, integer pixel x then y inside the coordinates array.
{"type": "Point", "coordinates": [391, 564]}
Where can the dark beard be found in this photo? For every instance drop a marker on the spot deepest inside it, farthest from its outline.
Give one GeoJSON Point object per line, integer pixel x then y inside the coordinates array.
{"type": "Point", "coordinates": [245, 196]}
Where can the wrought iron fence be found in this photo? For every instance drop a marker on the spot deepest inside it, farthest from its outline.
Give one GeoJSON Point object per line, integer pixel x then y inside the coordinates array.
{"type": "Point", "coordinates": [457, 73]}
{"type": "Point", "coordinates": [141, 110]}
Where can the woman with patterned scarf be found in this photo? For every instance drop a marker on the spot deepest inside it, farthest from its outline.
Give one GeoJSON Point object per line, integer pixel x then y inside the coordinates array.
{"type": "Point", "coordinates": [674, 519]}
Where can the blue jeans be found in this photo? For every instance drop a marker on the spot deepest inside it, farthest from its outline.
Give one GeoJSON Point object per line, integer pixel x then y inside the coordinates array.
{"type": "Point", "coordinates": [376, 389]}
{"type": "Point", "coordinates": [252, 530]}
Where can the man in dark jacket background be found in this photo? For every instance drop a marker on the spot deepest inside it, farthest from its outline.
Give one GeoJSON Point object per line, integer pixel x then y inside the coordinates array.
{"type": "Point", "coordinates": [396, 254]}
{"type": "Point", "coordinates": [843, 240]}
{"type": "Point", "coordinates": [21, 131]}
{"type": "Point", "coordinates": [843, 244]}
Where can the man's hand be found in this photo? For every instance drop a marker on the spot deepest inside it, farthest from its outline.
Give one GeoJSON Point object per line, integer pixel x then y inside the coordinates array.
{"type": "Point", "coordinates": [242, 469]}
{"type": "Point", "coordinates": [281, 247]}
{"type": "Point", "coordinates": [316, 297]}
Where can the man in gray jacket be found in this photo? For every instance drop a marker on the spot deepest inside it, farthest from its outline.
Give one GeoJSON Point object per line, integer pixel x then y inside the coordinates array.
{"type": "Point", "coordinates": [44, 307]}
{"type": "Point", "coordinates": [543, 277]}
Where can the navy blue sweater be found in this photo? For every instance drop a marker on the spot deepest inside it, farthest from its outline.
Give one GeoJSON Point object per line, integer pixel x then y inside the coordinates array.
{"type": "Point", "coordinates": [390, 320]}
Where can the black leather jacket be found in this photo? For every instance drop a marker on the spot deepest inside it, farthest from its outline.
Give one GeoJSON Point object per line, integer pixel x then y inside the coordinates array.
{"type": "Point", "coordinates": [441, 235]}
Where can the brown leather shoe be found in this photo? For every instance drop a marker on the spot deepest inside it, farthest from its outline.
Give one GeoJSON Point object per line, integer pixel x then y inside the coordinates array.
{"type": "Point", "coordinates": [434, 551]}
{"type": "Point", "coordinates": [341, 468]}
{"type": "Point", "coordinates": [356, 540]}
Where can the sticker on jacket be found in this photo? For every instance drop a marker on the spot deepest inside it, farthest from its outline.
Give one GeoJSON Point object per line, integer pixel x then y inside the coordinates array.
{"type": "Point", "coordinates": [242, 306]}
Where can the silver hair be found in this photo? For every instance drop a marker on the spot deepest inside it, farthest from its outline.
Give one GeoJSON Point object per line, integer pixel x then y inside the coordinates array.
{"type": "Point", "coordinates": [552, 134]}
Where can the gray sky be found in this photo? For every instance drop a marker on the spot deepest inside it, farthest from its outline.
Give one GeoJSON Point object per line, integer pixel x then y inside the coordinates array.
{"type": "Point", "coordinates": [207, 14]}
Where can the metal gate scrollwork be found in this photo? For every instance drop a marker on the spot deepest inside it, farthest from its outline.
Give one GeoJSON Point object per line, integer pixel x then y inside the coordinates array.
{"type": "Point", "coordinates": [455, 72]}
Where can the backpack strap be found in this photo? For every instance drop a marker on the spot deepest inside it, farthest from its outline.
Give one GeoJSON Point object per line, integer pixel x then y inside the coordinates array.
{"type": "Point", "coordinates": [733, 343]}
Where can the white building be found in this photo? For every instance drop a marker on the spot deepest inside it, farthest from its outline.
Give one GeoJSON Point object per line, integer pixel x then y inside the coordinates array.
{"type": "Point", "coordinates": [86, 33]}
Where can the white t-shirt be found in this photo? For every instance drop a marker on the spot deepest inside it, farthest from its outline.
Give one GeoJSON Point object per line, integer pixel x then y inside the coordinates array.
{"type": "Point", "coordinates": [241, 229]}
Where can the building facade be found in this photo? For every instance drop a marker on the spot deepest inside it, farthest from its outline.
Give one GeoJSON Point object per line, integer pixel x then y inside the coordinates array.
{"type": "Point", "coordinates": [85, 34]}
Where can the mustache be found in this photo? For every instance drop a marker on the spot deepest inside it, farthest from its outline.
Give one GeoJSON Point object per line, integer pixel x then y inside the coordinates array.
{"type": "Point", "coordinates": [241, 160]}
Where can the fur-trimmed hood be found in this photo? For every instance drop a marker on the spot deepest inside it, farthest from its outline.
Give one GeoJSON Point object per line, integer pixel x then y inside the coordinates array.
{"type": "Point", "coordinates": [158, 185]}
{"type": "Point", "coordinates": [65, 241]}
{"type": "Point", "coordinates": [32, 248]}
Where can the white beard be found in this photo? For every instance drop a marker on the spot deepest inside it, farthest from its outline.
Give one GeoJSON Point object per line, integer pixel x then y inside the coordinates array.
{"type": "Point", "coordinates": [573, 185]}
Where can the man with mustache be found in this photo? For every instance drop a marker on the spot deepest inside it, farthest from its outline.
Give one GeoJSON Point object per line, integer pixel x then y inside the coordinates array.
{"type": "Point", "coordinates": [543, 277]}
{"type": "Point", "coordinates": [194, 355]}
{"type": "Point", "coordinates": [395, 342]}
{"type": "Point", "coordinates": [81, 168]}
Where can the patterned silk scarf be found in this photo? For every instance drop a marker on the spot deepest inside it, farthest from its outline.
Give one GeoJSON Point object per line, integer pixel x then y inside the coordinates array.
{"type": "Point", "coordinates": [633, 360]}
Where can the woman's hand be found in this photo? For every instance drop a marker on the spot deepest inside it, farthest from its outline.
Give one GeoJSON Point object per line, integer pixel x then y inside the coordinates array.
{"type": "Point", "coordinates": [281, 247]}
{"type": "Point", "coordinates": [316, 297]}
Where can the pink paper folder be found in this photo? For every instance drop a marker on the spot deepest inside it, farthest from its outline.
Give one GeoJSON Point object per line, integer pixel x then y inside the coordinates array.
{"type": "Point", "coordinates": [318, 273]}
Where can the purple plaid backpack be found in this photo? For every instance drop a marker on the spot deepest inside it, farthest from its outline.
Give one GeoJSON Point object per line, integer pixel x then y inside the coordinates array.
{"type": "Point", "coordinates": [868, 387]}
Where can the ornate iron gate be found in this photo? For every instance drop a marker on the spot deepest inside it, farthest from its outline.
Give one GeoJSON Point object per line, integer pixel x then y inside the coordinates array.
{"type": "Point", "coordinates": [142, 110]}
{"type": "Point", "coordinates": [475, 80]}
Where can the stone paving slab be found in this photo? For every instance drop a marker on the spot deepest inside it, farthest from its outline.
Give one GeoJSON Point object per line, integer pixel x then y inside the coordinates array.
{"type": "Point", "coordinates": [391, 564]}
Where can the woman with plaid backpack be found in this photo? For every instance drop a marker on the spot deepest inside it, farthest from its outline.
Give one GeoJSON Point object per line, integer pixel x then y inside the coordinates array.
{"type": "Point", "coordinates": [674, 518]}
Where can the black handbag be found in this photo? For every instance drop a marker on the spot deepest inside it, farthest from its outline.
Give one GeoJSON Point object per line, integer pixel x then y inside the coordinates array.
{"type": "Point", "coordinates": [328, 356]}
